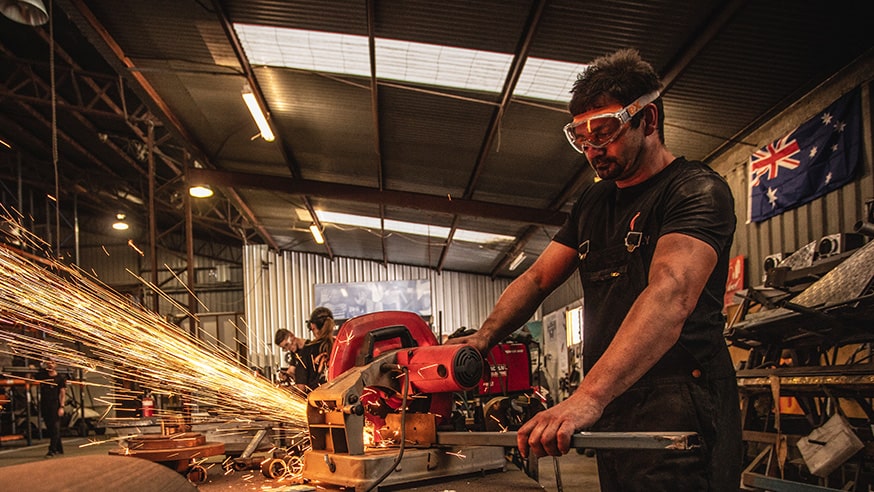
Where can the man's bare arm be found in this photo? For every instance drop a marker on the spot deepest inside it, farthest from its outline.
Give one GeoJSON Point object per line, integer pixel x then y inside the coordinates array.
{"type": "Point", "coordinates": [521, 298]}
{"type": "Point", "coordinates": [679, 271]}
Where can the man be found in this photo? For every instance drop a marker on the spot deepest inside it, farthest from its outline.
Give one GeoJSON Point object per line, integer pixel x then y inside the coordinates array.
{"type": "Point", "coordinates": [651, 241]}
{"type": "Point", "coordinates": [53, 396]}
{"type": "Point", "coordinates": [286, 340]}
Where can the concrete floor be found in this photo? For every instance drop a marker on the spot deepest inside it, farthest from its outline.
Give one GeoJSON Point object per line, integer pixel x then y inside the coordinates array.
{"type": "Point", "coordinates": [577, 472]}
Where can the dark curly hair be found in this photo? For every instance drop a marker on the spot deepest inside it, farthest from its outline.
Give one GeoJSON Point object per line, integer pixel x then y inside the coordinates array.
{"type": "Point", "coordinates": [621, 75]}
{"type": "Point", "coordinates": [281, 335]}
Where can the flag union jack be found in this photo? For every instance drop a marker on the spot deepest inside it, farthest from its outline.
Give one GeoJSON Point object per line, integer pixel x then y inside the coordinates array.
{"type": "Point", "coordinates": [819, 156]}
{"type": "Point", "coordinates": [776, 155]}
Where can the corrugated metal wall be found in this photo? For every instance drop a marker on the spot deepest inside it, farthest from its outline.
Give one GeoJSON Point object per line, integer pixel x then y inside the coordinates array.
{"type": "Point", "coordinates": [279, 293]}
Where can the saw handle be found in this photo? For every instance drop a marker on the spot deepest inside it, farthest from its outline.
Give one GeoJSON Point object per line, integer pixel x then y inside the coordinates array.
{"type": "Point", "coordinates": [381, 334]}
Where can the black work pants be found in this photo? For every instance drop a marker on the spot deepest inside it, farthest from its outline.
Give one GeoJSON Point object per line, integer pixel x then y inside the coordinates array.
{"type": "Point", "coordinates": [681, 404]}
{"type": "Point", "coordinates": [53, 425]}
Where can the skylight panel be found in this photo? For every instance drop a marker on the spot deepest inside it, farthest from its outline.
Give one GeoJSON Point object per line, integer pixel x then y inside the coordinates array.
{"type": "Point", "coordinates": [550, 80]}
{"type": "Point", "coordinates": [307, 50]}
{"type": "Point", "coordinates": [438, 232]}
{"type": "Point", "coordinates": [405, 61]}
{"type": "Point", "coordinates": [480, 237]}
{"type": "Point", "coordinates": [442, 66]}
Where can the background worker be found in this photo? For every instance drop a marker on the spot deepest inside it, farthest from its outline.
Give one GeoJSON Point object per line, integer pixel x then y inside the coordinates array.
{"type": "Point", "coordinates": [52, 397]}
{"type": "Point", "coordinates": [287, 341]}
{"type": "Point", "coordinates": [311, 361]}
{"type": "Point", "coordinates": [651, 242]}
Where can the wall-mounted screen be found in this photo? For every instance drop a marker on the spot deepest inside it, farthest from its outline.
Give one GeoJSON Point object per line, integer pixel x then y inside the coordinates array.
{"type": "Point", "coordinates": [350, 299]}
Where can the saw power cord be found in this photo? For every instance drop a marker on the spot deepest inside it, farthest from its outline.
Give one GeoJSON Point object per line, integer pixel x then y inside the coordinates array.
{"type": "Point", "coordinates": [400, 456]}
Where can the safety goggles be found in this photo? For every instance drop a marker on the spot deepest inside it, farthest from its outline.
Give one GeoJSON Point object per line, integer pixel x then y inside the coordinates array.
{"type": "Point", "coordinates": [598, 128]}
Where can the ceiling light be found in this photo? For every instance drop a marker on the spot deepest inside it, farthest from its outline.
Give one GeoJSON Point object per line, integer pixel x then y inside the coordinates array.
{"type": "Point", "coordinates": [317, 234]}
{"type": "Point", "coordinates": [120, 224]}
{"type": "Point", "coordinates": [257, 113]}
{"type": "Point", "coordinates": [200, 191]}
{"type": "Point", "coordinates": [29, 12]}
{"type": "Point", "coordinates": [517, 261]}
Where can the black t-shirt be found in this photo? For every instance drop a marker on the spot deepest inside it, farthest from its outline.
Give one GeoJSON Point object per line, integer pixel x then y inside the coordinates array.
{"type": "Point", "coordinates": [615, 231]}
{"type": "Point", "coordinates": [50, 389]}
{"type": "Point", "coordinates": [305, 366]}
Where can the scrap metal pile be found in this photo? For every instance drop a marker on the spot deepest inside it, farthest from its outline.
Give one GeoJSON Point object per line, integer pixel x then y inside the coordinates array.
{"type": "Point", "coordinates": [807, 381]}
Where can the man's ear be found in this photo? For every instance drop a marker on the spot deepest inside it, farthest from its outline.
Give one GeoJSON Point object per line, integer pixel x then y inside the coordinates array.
{"type": "Point", "coordinates": [650, 119]}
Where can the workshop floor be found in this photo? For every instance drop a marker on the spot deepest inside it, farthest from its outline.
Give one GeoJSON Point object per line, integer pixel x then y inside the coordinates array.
{"type": "Point", "coordinates": [577, 472]}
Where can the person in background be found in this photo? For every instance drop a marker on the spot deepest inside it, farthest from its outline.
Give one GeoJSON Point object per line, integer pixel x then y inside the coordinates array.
{"type": "Point", "coordinates": [651, 242]}
{"type": "Point", "coordinates": [311, 361]}
{"type": "Point", "coordinates": [286, 340]}
{"type": "Point", "coordinates": [52, 397]}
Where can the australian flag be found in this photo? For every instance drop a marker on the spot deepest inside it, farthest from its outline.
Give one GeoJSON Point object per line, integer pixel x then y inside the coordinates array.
{"type": "Point", "coordinates": [819, 156]}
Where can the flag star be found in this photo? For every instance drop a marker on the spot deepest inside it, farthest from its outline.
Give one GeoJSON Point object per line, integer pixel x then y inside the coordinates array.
{"type": "Point", "coordinates": [834, 148]}
{"type": "Point", "coordinates": [826, 118]}
{"type": "Point", "coordinates": [840, 125]}
{"type": "Point", "coordinates": [772, 197]}
{"type": "Point", "coordinates": [813, 151]}
{"type": "Point", "coordinates": [828, 178]}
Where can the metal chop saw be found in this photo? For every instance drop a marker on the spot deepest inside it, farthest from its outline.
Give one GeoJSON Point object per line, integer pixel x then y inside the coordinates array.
{"type": "Point", "coordinates": [388, 374]}
{"type": "Point", "coordinates": [391, 387]}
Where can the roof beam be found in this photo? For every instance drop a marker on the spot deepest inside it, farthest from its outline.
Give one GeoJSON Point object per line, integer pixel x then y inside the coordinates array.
{"type": "Point", "coordinates": [374, 110]}
{"type": "Point", "coordinates": [497, 115]}
{"type": "Point", "coordinates": [292, 164]}
{"type": "Point", "coordinates": [76, 110]}
{"type": "Point", "coordinates": [354, 193]}
{"type": "Point", "coordinates": [693, 47]}
{"type": "Point", "coordinates": [96, 33]}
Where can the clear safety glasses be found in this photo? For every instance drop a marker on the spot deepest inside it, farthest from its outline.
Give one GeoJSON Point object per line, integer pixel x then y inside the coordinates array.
{"type": "Point", "coordinates": [599, 129]}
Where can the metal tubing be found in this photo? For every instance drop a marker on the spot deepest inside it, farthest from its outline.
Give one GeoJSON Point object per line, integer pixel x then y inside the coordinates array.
{"type": "Point", "coordinates": [593, 440]}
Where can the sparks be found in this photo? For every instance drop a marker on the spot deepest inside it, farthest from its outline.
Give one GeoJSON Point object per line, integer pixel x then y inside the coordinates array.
{"type": "Point", "coordinates": [130, 242]}
{"type": "Point", "coordinates": [126, 342]}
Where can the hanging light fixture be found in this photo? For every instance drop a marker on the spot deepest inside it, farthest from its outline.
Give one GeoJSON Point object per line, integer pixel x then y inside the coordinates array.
{"type": "Point", "coordinates": [317, 234]}
{"type": "Point", "coordinates": [28, 12]}
{"type": "Point", "coordinates": [200, 191]}
{"type": "Point", "coordinates": [257, 113]}
{"type": "Point", "coordinates": [120, 224]}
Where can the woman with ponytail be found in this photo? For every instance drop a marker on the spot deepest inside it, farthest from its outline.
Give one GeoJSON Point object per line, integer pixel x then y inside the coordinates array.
{"type": "Point", "coordinates": [311, 361]}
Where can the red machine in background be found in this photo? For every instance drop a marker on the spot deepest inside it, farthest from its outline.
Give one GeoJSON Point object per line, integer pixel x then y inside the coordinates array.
{"type": "Point", "coordinates": [509, 397]}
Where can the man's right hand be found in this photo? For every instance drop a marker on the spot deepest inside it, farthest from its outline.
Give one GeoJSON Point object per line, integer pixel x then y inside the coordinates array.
{"type": "Point", "coordinates": [549, 432]}
{"type": "Point", "coordinates": [475, 340]}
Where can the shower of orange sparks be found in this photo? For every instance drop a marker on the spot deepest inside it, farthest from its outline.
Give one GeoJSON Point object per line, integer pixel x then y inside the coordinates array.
{"type": "Point", "coordinates": [125, 341]}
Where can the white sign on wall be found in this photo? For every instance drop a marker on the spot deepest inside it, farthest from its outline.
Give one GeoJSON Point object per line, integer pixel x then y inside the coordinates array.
{"type": "Point", "coordinates": [555, 350]}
